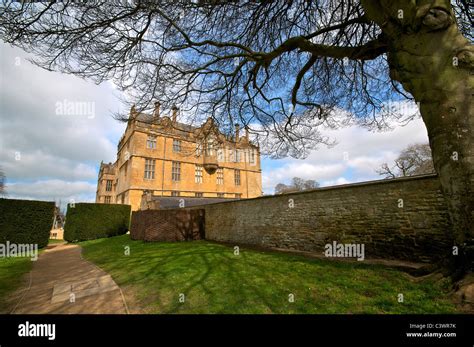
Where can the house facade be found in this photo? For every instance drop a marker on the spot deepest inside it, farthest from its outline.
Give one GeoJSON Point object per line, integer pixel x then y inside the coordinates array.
{"type": "Point", "coordinates": [160, 156]}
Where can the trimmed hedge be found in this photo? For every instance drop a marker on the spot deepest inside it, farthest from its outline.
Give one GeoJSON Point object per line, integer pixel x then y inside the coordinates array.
{"type": "Point", "coordinates": [89, 221]}
{"type": "Point", "coordinates": [26, 221]}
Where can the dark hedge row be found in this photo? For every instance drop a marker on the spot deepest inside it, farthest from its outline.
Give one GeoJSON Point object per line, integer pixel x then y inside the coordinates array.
{"type": "Point", "coordinates": [89, 221]}
{"type": "Point", "coordinates": [26, 221]}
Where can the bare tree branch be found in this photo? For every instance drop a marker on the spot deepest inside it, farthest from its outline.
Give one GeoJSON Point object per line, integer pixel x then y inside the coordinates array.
{"type": "Point", "coordinates": [282, 69]}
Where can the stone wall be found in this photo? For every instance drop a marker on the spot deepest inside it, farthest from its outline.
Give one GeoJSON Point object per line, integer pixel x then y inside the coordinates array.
{"type": "Point", "coordinates": [167, 225]}
{"type": "Point", "coordinates": [395, 219]}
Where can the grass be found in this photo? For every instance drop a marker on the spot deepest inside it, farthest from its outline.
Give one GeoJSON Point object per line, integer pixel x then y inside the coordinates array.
{"type": "Point", "coordinates": [11, 275]}
{"type": "Point", "coordinates": [53, 241]}
{"type": "Point", "coordinates": [214, 280]}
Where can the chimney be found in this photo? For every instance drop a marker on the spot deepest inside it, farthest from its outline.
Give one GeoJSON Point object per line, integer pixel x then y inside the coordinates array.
{"type": "Point", "coordinates": [175, 110]}
{"type": "Point", "coordinates": [133, 112]}
{"type": "Point", "coordinates": [247, 134]}
{"type": "Point", "coordinates": [156, 111]}
{"type": "Point", "coordinates": [237, 131]}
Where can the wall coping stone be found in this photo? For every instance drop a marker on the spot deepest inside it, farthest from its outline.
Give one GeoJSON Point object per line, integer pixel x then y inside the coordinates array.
{"type": "Point", "coordinates": [341, 186]}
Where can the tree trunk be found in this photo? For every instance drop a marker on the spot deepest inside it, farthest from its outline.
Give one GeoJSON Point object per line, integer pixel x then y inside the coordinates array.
{"type": "Point", "coordinates": [434, 62]}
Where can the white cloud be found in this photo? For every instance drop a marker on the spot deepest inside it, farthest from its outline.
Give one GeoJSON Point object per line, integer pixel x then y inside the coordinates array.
{"type": "Point", "coordinates": [302, 169]}
{"type": "Point", "coordinates": [37, 143]}
{"type": "Point", "coordinates": [336, 182]}
{"type": "Point", "coordinates": [35, 164]}
{"type": "Point", "coordinates": [355, 158]}
{"type": "Point", "coordinates": [52, 190]}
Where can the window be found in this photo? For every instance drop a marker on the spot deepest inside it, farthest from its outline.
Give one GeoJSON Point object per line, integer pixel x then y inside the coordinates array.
{"type": "Point", "coordinates": [220, 176]}
{"type": "Point", "coordinates": [237, 177]}
{"type": "Point", "coordinates": [220, 155]}
{"type": "Point", "coordinates": [198, 195]}
{"type": "Point", "coordinates": [174, 193]}
{"type": "Point", "coordinates": [107, 199]}
{"type": "Point", "coordinates": [150, 169]}
{"type": "Point", "coordinates": [220, 195]}
{"type": "Point", "coordinates": [176, 145]}
{"type": "Point", "coordinates": [108, 186]}
{"type": "Point", "coordinates": [252, 156]}
{"type": "Point", "coordinates": [238, 196]}
{"type": "Point", "coordinates": [151, 142]}
{"type": "Point", "coordinates": [198, 149]}
{"type": "Point", "coordinates": [210, 147]}
{"type": "Point", "coordinates": [237, 156]}
{"type": "Point", "coordinates": [198, 174]}
{"type": "Point", "coordinates": [176, 171]}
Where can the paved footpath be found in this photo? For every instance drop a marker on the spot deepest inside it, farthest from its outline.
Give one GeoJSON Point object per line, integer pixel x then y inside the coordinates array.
{"type": "Point", "coordinates": [62, 282]}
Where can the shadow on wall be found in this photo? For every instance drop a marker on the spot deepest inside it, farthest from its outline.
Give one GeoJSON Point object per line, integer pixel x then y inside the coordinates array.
{"type": "Point", "coordinates": [168, 225]}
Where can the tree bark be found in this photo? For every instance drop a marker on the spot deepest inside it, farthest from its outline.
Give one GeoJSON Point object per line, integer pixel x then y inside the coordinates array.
{"type": "Point", "coordinates": [434, 62]}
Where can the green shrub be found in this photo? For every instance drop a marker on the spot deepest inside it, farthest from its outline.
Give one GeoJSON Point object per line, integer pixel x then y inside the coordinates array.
{"type": "Point", "coordinates": [26, 221]}
{"type": "Point", "coordinates": [88, 221]}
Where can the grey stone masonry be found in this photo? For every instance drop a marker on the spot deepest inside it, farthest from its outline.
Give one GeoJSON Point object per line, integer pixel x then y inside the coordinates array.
{"type": "Point", "coordinates": [402, 218]}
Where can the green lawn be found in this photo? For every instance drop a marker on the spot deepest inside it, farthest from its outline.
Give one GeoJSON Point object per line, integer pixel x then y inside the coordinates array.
{"type": "Point", "coordinates": [11, 276]}
{"type": "Point", "coordinates": [54, 241]}
{"type": "Point", "coordinates": [214, 280]}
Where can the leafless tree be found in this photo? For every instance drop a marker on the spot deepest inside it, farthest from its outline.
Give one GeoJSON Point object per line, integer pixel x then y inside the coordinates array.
{"type": "Point", "coordinates": [2, 183]}
{"type": "Point", "coordinates": [413, 160]}
{"type": "Point", "coordinates": [283, 69]}
{"type": "Point", "coordinates": [297, 185]}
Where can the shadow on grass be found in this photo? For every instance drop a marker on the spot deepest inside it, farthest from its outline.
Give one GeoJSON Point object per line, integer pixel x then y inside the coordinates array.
{"type": "Point", "coordinates": [214, 280]}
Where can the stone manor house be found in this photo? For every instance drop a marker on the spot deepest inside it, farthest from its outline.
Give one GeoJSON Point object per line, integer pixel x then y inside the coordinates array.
{"type": "Point", "coordinates": [164, 161]}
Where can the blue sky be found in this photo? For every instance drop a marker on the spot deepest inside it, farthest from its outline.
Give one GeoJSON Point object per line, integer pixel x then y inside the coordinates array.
{"type": "Point", "coordinates": [48, 154]}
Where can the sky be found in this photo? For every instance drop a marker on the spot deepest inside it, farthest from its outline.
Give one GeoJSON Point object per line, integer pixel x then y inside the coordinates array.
{"type": "Point", "coordinates": [55, 129]}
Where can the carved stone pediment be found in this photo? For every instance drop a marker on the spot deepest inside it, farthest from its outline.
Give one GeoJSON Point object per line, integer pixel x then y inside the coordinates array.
{"type": "Point", "coordinates": [166, 121]}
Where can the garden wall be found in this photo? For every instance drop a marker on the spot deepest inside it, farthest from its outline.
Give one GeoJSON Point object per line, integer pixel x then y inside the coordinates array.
{"type": "Point", "coordinates": [399, 219]}
{"type": "Point", "coordinates": [167, 225]}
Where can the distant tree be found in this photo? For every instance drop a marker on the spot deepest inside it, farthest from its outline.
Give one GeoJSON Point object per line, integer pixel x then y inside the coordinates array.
{"type": "Point", "coordinates": [413, 160]}
{"type": "Point", "coordinates": [311, 184]}
{"type": "Point", "coordinates": [2, 184]}
{"type": "Point", "coordinates": [297, 185]}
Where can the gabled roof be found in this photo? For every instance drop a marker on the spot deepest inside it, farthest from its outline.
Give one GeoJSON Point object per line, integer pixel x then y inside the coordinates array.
{"type": "Point", "coordinates": [108, 168]}
{"type": "Point", "coordinates": [148, 118]}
